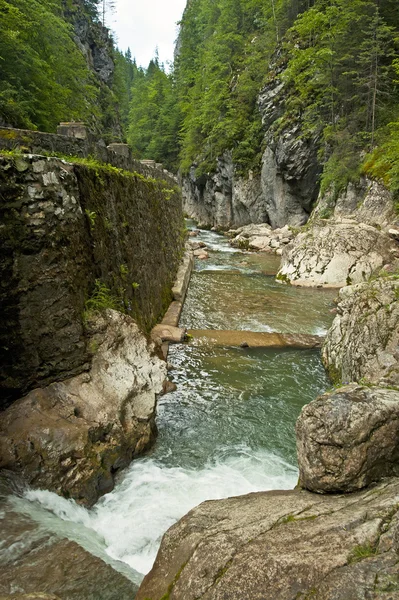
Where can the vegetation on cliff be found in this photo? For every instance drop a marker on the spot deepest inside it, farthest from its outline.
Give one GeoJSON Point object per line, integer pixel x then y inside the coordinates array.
{"type": "Point", "coordinates": [336, 62]}
{"type": "Point", "coordinates": [332, 66]}
{"type": "Point", "coordinates": [58, 63]}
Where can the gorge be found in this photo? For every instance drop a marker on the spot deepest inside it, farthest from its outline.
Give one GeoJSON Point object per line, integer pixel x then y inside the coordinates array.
{"type": "Point", "coordinates": [237, 439]}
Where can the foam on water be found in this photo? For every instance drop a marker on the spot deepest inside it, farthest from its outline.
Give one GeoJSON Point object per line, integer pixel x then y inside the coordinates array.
{"type": "Point", "coordinates": [151, 497]}
{"type": "Point", "coordinates": [227, 430]}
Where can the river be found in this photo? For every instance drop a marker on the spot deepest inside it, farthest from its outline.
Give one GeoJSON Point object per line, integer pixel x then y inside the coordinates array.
{"type": "Point", "coordinates": [229, 427]}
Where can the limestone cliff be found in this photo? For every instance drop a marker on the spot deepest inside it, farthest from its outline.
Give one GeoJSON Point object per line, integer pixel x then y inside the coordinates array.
{"type": "Point", "coordinates": [284, 190]}
{"type": "Point", "coordinates": [97, 46]}
{"type": "Point", "coordinates": [362, 344]}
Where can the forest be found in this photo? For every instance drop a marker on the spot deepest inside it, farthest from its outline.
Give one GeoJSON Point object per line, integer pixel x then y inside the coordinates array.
{"type": "Point", "coordinates": [337, 62]}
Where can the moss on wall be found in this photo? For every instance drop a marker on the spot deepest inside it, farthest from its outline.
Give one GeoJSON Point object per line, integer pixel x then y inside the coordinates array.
{"type": "Point", "coordinates": [62, 227]}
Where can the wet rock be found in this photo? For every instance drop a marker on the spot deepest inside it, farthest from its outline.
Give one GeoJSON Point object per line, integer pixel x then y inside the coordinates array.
{"type": "Point", "coordinates": [72, 437]}
{"type": "Point", "coordinates": [169, 387]}
{"type": "Point", "coordinates": [280, 546]}
{"type": "Point", "coordinates": [197, 245]}
{"type": "Point", "coordinates": [38, 565]}
{"type": "Point", "coordinates": [335, 254]}
{"type": "Point", "coordinates": [363, 341]}
{"type": "Point", "coordinates": [261, 237]}
{"type": "Point", "coordinates": [348, 438]}
{"type": "Point", "coordinates": [201, 254]}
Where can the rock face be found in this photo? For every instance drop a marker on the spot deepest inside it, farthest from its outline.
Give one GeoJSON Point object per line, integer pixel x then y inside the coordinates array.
{"type": "Point", "coordinates": [336, 254]}
{"type": "Point", "coordinates": [363, 342]}
{"type": "Point", "coordinates": [282, 546]}
{"type": "Point", "coordinates": [367, 202]}
{"type": "Point", "coordinates": [290, 172]}
{"type": "Point", "coordinates": [73, 436]}
{"type": "Point", "coordinates": [284, 191]}
{"type": "Point", "coordinates": [64, 226]}
{"type": "Point", "coordinates": [348, 438]}
{"type": "Point", "coordinates": [221, 199]}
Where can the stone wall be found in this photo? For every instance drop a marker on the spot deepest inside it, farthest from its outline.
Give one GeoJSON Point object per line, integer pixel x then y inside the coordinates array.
{"type": "Point", "coordinates": [64, 226]}
{"type": "Point", "coordinates": [52, 144]}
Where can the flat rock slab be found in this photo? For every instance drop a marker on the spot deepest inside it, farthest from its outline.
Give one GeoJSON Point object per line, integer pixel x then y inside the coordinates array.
{"type": "Point", "coordinates": [290, 545]}
{"type": "Point", "coordinates": [254, 339]}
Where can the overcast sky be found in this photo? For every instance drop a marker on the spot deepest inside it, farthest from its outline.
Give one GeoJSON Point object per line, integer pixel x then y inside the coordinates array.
{"type": "Point", "coordinates": [143, 25]}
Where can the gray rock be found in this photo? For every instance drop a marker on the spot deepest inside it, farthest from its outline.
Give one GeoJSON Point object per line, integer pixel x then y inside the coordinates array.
{"type": "Point", "coordinates": [260, 237]}
{"type": "Point", "coordinates": [72, 437]}
{"type": "Point", "coordinates": [285, 191]}
{"type": "Point", "coordinates": [348, 438]}
{"type": "Point", "coordinates": [363, 341]}
{"type": "Point", "coordinates": [36, 564]}
{"type": "Point", "coordinates": [335, 254]}
{"type": "Point", "coordinates": [282, 546]}
{"type": "Point", "coordinates": [367, 202]}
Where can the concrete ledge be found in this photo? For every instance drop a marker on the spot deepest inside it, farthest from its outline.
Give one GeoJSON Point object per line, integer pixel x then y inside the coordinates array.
{"type": "Point", "coordinates": [167, 333]}
{"type": "Point", "coordinates": [171, 318]}
{"type": "Point", "coordinates": [251, 339]}
{"type": "Point", "coordinates": [183, 276]}
{"type": "Point", "coordinates": [173, 313]}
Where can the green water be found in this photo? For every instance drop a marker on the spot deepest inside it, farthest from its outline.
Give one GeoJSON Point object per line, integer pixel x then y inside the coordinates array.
{"type": "Point", "coordinates": [228, 429]}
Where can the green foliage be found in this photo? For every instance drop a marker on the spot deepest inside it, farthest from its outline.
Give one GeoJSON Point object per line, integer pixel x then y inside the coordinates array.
{"type": "Point", "coordinates": [101, 299]}
{"type": "Point", "coordinates": [340, 80]}
{"type": "Point", "coordinates": [362, 551]}
{"type": "Point", "coordinates": [383, 162]}
{"type": "Point", "coordinates": [153, 116]}
{"type": "Point", "coordinates": [91, 215]}
{"type": "Point", "coordinates": [43, 76]}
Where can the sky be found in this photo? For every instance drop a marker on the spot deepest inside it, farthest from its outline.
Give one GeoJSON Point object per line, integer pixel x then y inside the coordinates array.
{"type": "Point", "coordinates": [144, 25]}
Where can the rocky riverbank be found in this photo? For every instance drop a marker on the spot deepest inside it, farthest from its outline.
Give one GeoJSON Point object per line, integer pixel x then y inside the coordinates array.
{"type": "Point", "coordinates": [73, 436]}
{"type": "Point", "coordinates": [335, 536]}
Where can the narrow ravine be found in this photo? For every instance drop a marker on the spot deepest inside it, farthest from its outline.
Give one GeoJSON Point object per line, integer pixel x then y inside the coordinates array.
{"type": "Point", "coordinates": [229, 427]}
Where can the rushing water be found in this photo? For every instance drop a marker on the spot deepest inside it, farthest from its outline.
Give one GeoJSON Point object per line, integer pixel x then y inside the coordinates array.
{"type": "Point", "coordinates": [229, 427]}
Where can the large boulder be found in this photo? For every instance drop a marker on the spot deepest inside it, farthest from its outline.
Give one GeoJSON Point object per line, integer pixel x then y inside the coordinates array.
{"type": "Point", "coordinates": [336, 254]}
{"type": "Point", "coordinates": [363, 342]}
{"type": "Point", "coordinates": [261, 237]}
{"type": "Point", "coordinates": [282, 546]}
{"type": "Point", "coordinates": [73, 436]}
{"type": "Point", "coordinates": [348, 438]}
